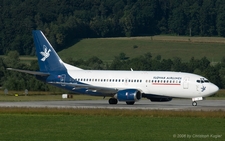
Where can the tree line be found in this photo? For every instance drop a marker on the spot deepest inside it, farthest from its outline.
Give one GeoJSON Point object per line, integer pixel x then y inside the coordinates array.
{"type": "Point", "coordinates": [65, 21]}
{"type": "Point", "coordinates": [20, 81]}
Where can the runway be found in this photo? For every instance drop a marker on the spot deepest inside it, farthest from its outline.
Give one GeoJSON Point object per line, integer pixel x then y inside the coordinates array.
{"type": "Point", "coordinates": [176, 104]}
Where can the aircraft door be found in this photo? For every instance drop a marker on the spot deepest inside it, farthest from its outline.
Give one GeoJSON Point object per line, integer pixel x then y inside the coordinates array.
{"type": "Point", "coordinates": [186, 83]}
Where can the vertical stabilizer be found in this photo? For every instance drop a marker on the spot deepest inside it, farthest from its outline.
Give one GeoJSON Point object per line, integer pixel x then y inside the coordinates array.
{"type": "Point", "coordinates": [48, 59]}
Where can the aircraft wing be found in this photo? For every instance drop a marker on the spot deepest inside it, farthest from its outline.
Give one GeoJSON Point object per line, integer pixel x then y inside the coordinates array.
{"type": "Point", "coordinates": [104, 90]}
{"type": "Point", "coordinates": [30, 72]}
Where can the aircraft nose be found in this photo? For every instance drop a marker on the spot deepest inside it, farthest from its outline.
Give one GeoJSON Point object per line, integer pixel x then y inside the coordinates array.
{"type": "Point", "coordinates": [214, 89]}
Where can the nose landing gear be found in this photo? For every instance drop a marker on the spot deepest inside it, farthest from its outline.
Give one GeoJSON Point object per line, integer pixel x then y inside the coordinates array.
{"type": "Point", "coordinates": [194, 103]}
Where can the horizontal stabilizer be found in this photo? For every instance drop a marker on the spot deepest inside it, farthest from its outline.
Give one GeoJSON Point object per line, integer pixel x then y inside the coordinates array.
{"type": "Point", "coordinates": [30, 72]}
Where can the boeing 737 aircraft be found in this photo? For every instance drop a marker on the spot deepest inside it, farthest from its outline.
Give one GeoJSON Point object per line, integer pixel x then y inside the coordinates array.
{"type": "Point", "coordinates": [127, 86]}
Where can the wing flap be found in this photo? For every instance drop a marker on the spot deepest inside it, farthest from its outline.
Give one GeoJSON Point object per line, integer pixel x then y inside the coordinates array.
{"type": "Point", "coordinates": [92, 88]}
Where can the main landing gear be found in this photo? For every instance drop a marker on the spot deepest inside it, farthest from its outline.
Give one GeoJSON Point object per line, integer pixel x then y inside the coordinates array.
{"type": "Point", "coordinates": [113, 101]}
{"type": "Point", "coordinates": [194, 103]}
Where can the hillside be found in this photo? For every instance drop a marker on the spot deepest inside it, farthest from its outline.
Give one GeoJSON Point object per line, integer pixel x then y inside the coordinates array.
{"type": "Point", "coordinates": [167, 46]}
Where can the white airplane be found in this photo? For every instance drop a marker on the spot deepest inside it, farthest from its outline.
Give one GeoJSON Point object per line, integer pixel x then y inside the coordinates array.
{"type": "Point", "coordinates": [128, 86]}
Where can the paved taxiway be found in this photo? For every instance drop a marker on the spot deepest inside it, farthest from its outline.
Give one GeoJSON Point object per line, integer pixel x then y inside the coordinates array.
{"type": "Point", "coordinates": [176, 104]}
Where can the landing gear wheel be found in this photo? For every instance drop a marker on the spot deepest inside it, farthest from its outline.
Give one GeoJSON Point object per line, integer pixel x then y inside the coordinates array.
{"type": "Point", "coordinates": [194, 103]}
{"type": "Point", "coordinates": [113, 101]}
{"type": "Point", "coordinates": [130, 103]}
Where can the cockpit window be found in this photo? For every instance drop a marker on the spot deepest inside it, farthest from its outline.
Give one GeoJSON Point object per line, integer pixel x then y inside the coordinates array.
{"type": "Point", "coordinates": [202, 80]}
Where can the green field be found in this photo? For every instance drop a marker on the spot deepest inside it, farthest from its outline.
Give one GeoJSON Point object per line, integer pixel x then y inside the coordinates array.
{"type": "Point", "coordinates": [109, 125]}
{"type": "Point", "coordinates": [166, 46]}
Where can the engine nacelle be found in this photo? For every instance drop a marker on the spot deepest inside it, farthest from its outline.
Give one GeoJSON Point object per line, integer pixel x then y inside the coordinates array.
{"type": "Point", "coordinates": [161, 99]}
{"type": "Point", "coordinates": [129, 95]}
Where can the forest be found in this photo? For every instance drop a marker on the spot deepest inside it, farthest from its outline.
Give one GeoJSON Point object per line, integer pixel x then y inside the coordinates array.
{"type": "Point", "coordinates": [66, 21]}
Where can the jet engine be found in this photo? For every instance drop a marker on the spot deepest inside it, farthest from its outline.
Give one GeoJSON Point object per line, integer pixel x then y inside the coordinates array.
{"type": "Point", "coordinates": [129, 95]}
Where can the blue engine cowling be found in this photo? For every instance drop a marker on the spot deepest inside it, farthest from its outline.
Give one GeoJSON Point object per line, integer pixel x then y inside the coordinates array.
{"type": "Point", "coordinates": [129, 95]}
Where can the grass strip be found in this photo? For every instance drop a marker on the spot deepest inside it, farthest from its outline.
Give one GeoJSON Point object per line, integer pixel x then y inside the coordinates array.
{"type": "Point", "coordinates": [113, 112]}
